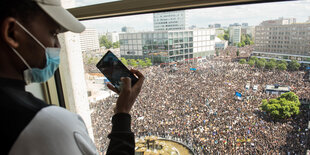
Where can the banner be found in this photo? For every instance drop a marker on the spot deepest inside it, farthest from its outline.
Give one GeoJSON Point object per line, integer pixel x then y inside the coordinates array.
{"type": "Point", "coordinates": [193, 69]}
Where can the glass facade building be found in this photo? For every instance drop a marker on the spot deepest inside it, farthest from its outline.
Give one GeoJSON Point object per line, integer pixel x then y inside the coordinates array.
{"type": "Point", "coordinates": [168, 46]}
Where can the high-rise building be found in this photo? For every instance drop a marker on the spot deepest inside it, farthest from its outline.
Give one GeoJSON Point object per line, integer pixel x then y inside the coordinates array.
{"type": "Point", "coordinates": [168, 46]}
{"type": "Point", "coordinates": [113, 37]}
{"type": "Point", "coordinates": [211, 26]}
{"type": "Point", "coordinates": [127, 29]}
{"type": "Point", "coordinates": [244, 24]}
{"type": "Point", "coordinates": [235, 24]}
{"type": "Point", "coordinates": [283, 39]}
{"type": "Point", "coordinates": [234, 35]}
{"type": "Point", "coordinates": [172, 20]}
{"type": "Point", "coordinates": [89, 40]}
{"type": "Point", "coordinates": [217, 25]}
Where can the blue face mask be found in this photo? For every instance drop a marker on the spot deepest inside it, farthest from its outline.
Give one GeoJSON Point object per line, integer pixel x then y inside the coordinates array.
{"type": "Point", "coordinates": [36, 75]}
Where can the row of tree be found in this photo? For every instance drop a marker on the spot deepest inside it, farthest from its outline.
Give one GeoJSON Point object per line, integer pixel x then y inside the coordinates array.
{"type": "Point", "coordinates": [137, 62]}
{"type": "Point", "coordinates": [283, 107]}
{"type": "Point", "coordinates": [104, 41]}
{"type": "Point", "coordinates": [272, 64]}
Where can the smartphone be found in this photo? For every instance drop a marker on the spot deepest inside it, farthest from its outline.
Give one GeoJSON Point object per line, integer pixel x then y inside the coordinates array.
{"type": "Point", "coordinates": [113, 69]}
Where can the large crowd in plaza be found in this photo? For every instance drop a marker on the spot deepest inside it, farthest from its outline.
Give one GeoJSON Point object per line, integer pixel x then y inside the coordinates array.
{"type": "Point", "coordinates": [200, 107]}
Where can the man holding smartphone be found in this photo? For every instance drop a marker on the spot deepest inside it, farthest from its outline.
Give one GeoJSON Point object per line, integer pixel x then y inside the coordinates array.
{"type": "Point", "coordinates": [29, 52]}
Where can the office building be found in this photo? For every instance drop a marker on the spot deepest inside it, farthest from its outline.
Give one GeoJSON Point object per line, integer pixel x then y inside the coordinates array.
{"type": "Point", "coordinates": [214, 26]}
{"type": "Point", "coordinates": [244, 24]}
{"type": "Point", "coordinates": [235, 24]}
{"type": "Point", "coordinates": [89, 40]}
{"type": "Point", "coordinates": [234, 35]}
{"type": "Point", "coordinates": [127, 29]}
{"type": "Point", "coordinates": [283, 39]}
{"type": "Point", "coordinates": [220, 44]}
{"type": "Point", "coordinates": [112, 36]}
{"type": "Point", "coordinates": [168, 46]}
{"type": "Point", "coordinates": [172, 20]}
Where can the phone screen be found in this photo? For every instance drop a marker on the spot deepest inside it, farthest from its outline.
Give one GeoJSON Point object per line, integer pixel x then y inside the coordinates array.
{"type": "Point", "coordinates": [113, 69]}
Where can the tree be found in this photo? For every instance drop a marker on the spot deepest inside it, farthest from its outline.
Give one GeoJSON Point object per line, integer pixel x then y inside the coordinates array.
{"type": "Point", "coordinates": [283, 61]}
{"type": "Point", "coordinates": [116, 44]}
{"type": "Point", "coordinates": [242, 44]}
{"type": "Point", "coordinates": [148, 62]}
{"type": "Point", "coordinates": [264, 60]}
{"type": "Point", "coordinates": [124, 61]}
{"type": "Point", "coordinates": [283, 107]}
{"type": "Point", "coordinates": [260, 63]}
{"type": "Point", "coordinates": [226, 35]}
{"type": "Point", "coordinates": [242, 61]}
{"type": "Point", "coordinates": [281, 66]}
{"type": "Point", "coordinates": [293, 65]}
{"type": "Point", "coordinates": [105, 42]}
{"type": "Point", "coordinates": [271, 65]}
{"type": "Point", "coordinates": [273, 60]}
{"type": "Point", "coordinates": [141, 63]}
{"type": "Point", "coordinates": [251, 63]}
{"type": "Point", "coordinates": [246, 40]}
{"type": "Point", "coordinates": [254, 58]}
{"type": "Point", "coordinates": [239, 44]}
{"type": "Point", "coordinates": [221, 36]}
{"type": "Point", "coordinates": [133, 63]}
{"type": "Point", "coordinates": [238, 53]}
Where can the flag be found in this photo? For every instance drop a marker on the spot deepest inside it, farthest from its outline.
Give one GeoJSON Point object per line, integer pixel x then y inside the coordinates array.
{"type": "Point", "coordinates": [238, 94]}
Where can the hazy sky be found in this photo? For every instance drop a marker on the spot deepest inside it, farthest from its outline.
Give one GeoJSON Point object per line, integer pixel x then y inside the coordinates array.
{"type": "Point", "coordinates": [252, 14]}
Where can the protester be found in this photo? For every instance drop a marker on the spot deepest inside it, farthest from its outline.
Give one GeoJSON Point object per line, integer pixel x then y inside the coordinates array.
{"type": "Point", "coordinates": [200, 108]}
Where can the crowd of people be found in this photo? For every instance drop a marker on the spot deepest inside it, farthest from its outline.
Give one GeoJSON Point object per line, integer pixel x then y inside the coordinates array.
{"type": "Point", "coordinates": [200, 107]}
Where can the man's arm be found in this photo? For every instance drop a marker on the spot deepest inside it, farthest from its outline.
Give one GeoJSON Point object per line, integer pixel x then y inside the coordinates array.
{"type": "Point", "coordinates": [122, 139]}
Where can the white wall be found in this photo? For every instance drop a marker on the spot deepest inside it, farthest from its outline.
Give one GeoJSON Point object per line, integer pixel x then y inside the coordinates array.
{"type": "Point", "coordinates": [73, 75]}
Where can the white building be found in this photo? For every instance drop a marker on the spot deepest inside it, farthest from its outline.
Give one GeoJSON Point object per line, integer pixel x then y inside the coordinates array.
{"type": "Point", "coordinates": [165, 46]}
{"type": "Point", "coordinates": [113, 36]}
{"type": "Point", "coordinates": [283, 39]}
{"type": "Point", "coordinates": [172, 20]}
{"type": "Point", "coordinates": [89, 40]}
{"type": "Point", "coordinates": [235, 34]}
{"type": "Point", "coordinates": [220, 44]}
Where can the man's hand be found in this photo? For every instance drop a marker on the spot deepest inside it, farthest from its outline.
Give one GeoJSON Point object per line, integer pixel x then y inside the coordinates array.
{"type": "Point", "coordinates": [128, 94]}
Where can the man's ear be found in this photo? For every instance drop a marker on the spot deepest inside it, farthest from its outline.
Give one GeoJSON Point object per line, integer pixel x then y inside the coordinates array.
{"type": "Point", "coordinates": [9, 32]}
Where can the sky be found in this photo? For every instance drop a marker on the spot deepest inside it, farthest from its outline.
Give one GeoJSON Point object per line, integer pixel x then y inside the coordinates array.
{"type": "Point", "coordinates": [253, 14]}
